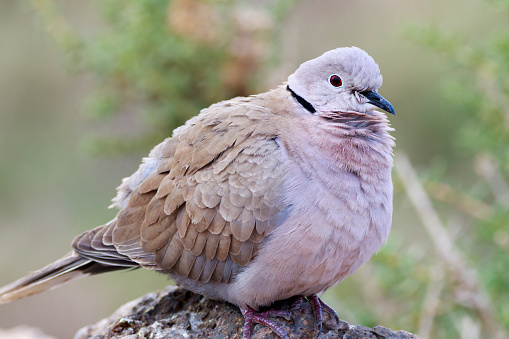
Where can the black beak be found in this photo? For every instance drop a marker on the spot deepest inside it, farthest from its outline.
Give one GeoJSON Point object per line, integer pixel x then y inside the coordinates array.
{"type": "Point", "coordinates": [379, 101]}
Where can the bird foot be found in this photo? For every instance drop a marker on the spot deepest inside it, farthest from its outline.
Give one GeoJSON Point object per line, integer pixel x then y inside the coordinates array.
{"type": "Point", "coordinates": [318, 307]}
{"type": "Point", "coordinates": [297, 303]}
{"type": "Point", "coordinates": [251, 316]}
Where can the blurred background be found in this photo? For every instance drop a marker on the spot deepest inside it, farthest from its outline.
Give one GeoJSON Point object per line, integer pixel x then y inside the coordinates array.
{"type": "Point", "coordinates": [87, 88]}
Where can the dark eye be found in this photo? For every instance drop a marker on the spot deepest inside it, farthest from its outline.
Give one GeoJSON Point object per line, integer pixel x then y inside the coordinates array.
{"type": "Point", "coordinates": [335, 80]}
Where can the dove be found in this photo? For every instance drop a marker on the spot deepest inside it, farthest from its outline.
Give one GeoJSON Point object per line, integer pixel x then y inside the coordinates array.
{"type": "Point", "coordinates": [257, 199]}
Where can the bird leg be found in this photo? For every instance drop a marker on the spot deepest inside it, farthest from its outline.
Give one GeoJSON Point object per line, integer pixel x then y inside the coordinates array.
{"type": "Point", "coordinates": [250, 316]}
{"type": "Point", "coordinates": [297, 302]}
{"type": "Point", "coordinates": [318, 306]}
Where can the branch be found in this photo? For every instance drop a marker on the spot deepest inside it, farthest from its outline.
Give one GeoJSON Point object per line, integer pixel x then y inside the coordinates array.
{"type": "Point", "coordinates": [487, 167]}
{"type": "Point", "coordinates": [431, 302]}
{"type": "Point", "coordinates": [464, 202]}
{"type": "Point", "coordinates": [468, 288]}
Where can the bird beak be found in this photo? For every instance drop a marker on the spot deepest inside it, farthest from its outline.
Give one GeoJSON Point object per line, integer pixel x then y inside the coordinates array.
{"type": "Point", "coordinates": [379, 101]}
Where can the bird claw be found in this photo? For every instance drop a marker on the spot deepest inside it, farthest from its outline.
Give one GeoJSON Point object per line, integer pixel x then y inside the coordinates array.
{"type": "Point", "coordinates": [250, 316]}
{"type": "Point", "coordinates": [329, 310]}
{"type": "Point", "coordinates": [277, 313]}
{"type": "Point", "coordinates": [297, 303]}
{"type": "Point", "coordinates": [318, 306]}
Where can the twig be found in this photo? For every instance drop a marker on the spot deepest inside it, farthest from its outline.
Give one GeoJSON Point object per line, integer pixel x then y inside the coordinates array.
{"type": "Point", "coordinates": [431, 302]}
{"type": "Point", "coordinates": [488, 169]}
{"type": "Point", "coordinates": [464, 202]}
{"type": "Point", "coordinates": [489, 87]}
{"type": "Point", "coordinates": [468, 328]}
{"type": "Point", "coordinates": [467, 285]}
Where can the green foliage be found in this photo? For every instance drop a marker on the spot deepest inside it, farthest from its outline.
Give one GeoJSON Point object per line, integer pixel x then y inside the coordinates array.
{"type": "Point", "coordinates": [481, 91]}
{"type": "Point", "coordinates": [162, 61]}
{"type": "Point", "coordinates": [493, 247]}
{"type": "Point", "coordinates": [141, 62]}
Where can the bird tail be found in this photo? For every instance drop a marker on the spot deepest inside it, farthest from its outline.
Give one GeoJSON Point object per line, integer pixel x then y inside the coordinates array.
{"type": "Point", "coordinates": [71, 266]}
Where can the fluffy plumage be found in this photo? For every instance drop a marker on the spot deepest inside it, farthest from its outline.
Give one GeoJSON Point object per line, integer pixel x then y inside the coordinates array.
{"type": "Point", "coordinates": [256, 199]}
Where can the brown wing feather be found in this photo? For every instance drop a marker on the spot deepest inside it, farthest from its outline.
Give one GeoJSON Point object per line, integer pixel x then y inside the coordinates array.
{"type": "Point", "coordinates": [208, 269]}
{"type": "Point", "coordinates": [204, 211]}
{"type": "Point", "coordinates": [223, 248]}
{"type": "Point", "coordinates": [154, 238]}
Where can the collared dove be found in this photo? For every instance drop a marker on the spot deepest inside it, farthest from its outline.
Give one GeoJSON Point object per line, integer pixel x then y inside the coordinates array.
{"type": "Point", "coordinates": [258, 199]}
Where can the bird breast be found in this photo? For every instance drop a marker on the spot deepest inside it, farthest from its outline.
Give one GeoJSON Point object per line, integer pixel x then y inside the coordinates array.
{"type": "Point", "coordinates": [340, 193]}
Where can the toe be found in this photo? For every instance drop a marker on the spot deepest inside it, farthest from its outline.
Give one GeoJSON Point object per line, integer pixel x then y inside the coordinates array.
{"type": "Point", "coordinates": [317, 307]}
{"type": "Point", "coordinates": [250, 316]}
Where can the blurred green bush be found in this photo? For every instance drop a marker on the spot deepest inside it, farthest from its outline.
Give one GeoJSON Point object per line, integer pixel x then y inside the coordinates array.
{"type": "Point", "coordinates": [160, 61]}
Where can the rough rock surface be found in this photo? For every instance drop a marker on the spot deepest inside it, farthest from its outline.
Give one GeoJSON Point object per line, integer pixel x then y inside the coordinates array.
{"type": "Point", "coordinates": [178, 313]}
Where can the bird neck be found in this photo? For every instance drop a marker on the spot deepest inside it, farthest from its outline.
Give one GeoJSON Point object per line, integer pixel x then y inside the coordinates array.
{"type": "Point", "coordinates": [341, 141]}
{"type": "Point", "coordinates": [370, 126]}
{"type": "Point", "coordinates": [306, 104]}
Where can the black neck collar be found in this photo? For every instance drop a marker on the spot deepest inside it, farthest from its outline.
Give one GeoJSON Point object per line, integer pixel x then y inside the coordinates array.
{"type": "Point", "coordinates": [302, 101]}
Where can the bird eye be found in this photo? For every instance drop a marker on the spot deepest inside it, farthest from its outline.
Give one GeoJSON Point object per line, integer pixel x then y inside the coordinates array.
{"type": "Point", "coordinates": [335, 80]}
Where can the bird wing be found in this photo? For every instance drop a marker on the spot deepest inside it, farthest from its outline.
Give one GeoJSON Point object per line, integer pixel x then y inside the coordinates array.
{"type": "Point", "coordinates": [215, 195]}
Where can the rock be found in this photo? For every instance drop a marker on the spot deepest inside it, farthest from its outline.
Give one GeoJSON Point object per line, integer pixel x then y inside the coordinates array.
{"type": "Point", "coordinates": [178, 313]}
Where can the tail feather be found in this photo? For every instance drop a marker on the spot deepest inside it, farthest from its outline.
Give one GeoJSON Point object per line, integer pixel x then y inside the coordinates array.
{"type": "Point", "coordinates": [70, 267]}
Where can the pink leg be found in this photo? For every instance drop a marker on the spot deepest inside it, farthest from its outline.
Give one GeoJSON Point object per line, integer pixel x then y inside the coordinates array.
{"type": "Point", "coordinates": [329, 310]}
{"type": "Point", "coordinates": [250, 316]}
{"type": "Point", "coordinates": [297, 303]}
{"type": "Point", "coordinates": [318, 307]}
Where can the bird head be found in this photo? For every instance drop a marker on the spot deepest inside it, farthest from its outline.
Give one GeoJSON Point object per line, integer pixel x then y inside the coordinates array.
{"type": "Point", "coordinates": [343, 80]}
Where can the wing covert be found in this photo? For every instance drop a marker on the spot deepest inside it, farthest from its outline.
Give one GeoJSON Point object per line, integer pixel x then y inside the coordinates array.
{"type": "Point", "coordinates": [216, 193]}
